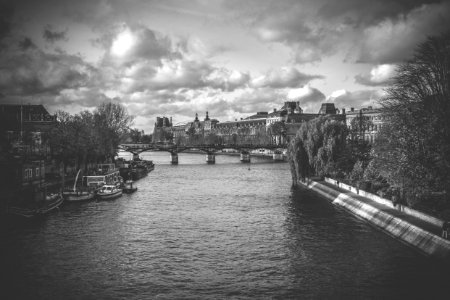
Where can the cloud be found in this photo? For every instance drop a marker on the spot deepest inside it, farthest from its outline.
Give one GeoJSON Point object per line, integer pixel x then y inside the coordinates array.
{"type": "Point", "coordinates": [382, 31]}
{"type": "Point", "coordinates": [178, 74]}
{"type": "Point", "coordinates": [6, 14]}
{"type": "Point", "coordinates": [32, 71]}
{"type": "Point", "coordinates": [127, 44]}
{"type": "Point", "coordinates": [393, 40]}
{"type": "Point", "coordinates": [227, 80]}
{"type": "Point", "coordinates": [251, 100]}
{"type": "Point", "coordinates": [363, 98]}
{"type": "Point", "coordinates": [380, 75]}
{"type": "Point", "coordinates": [26, 43]}
{"type": "Point", "coordinates": [282, 78]}
{"type": "Point", "coordinates": [82, 97]}
{"type": "Point", "coordinates": [69, 100]}
{"type": "Point", "coordinates": [52, 36]}
{"type": "Point", "coordinates": [141, 59]}
{"type": "Point", "coordinates": [360, 13]}
{"type": "Point", "coordinates": [307, 96]}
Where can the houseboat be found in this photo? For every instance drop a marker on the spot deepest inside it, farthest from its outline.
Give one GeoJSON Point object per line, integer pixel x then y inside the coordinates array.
{"type": "Point", "coordinates": [135, 169]}
{"type": "Point", "coordinates": [78, 194]}
{"type": "Point", "coordinates": [104, 174]}
{"type": "Point", "coordinates": [27, 194]}
{"type": "Point", "coordinates": [42, 204]}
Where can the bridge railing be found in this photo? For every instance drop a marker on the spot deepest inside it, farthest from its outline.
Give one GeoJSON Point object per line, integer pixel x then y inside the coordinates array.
{"type": "Point", "coordinates": [205, 147]}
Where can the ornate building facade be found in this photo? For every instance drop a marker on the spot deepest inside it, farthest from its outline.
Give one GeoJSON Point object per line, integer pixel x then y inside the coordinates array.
{"type": "Point", "coordinates": [365, 122]}
{"type": "Point", "coordinates": [277, 127]}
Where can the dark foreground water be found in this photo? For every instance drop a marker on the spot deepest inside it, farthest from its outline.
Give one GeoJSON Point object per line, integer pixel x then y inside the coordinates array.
{"type": "Point", "coordinates": [197, 231]}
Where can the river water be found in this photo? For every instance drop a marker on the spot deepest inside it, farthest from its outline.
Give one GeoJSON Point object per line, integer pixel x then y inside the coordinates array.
{"type": "Point", "coordinates": [223, 231]}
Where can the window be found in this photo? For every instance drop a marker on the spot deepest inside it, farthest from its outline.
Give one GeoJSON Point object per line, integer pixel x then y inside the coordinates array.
{"type": "Point", "coordinates": [38, 172]}
{"type": "Point", "coordinates": [28, 174]}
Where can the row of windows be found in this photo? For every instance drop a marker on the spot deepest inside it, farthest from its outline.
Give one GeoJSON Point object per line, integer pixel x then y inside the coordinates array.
{"type": "Point", "coordinates": [28, 173]}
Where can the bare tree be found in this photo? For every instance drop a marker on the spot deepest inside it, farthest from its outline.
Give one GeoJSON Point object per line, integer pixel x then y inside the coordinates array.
{"type": "Point", "coordinates": [413, 151]}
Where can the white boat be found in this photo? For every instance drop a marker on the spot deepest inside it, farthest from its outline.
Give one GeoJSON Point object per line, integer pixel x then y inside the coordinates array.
{"type": "Point", "coordinates": [78, 195]}
{"type": "Point", "coordinates": [108, 192]}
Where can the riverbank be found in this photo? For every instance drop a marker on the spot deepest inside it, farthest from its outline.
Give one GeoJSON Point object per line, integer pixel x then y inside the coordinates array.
{"type": "Point", "coordinates": [406, 225]}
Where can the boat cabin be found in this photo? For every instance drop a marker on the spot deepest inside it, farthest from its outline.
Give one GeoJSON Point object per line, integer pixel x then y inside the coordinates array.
{"type": "Point", "coordinates": [108, 188]}
{"type": "Point", "coordinates": [105, 174]}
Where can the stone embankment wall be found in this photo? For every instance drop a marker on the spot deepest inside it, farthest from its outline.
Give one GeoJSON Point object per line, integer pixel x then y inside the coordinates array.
{"type": "Point", "coordinates": [376, 198]}
{"type": "Point", "coordinates": [424, 241]}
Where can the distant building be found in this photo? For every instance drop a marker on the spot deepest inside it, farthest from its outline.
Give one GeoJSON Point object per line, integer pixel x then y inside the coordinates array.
{"type": "Point", "coordinates": [24, 151]}
{"type": "Point", "coordinates": [254, 129]}
{"type": "Point", "coordinates": [369, 119]}
{"type": "Point", "coordinates": [26, 127]}
{"type": "Point", "coordinates": [327, 109]}
{"type": "Point", "coordinates": [162, 131]}
{"type": "Point", "coordinates": [290, 114]}
{"type": "Point", "coordinates": [23, 182]}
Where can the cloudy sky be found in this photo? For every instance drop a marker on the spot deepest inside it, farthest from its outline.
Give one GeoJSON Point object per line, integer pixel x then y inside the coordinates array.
{"type": "Point", "coordinates": [229, 57]}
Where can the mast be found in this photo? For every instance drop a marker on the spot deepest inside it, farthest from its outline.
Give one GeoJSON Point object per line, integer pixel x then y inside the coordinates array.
{"type": "Point", "coordinates": [21, 122]}
{"type": "Point", "coordinates": [75, 183]}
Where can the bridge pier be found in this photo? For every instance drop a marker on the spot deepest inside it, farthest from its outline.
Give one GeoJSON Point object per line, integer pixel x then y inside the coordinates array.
{"type": "Point", "coordinates": [210, 158]}
{"type": "Point", "coordinates": [278, 156]}
{"type": "Point", "coordinates": [174, 158]}
{"type": "Point", "coordinates": [245, 157]}
{"type": "Point", "coordinates": [135, 156]}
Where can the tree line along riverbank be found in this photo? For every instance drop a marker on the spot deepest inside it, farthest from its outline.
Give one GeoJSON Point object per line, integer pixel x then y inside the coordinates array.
{"type": "Point", "coordinates": [409, 161]}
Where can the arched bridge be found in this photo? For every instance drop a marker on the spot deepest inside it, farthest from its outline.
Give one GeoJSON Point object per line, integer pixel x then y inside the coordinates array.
{"type": "Point", "coordinates": [208, 149]}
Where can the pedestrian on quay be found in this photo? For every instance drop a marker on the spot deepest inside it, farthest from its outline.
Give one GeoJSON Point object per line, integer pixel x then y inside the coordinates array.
{"type": "Point", "coordinates": [445, 229]}
{"type": "Point", "coordinates": [394, 199]}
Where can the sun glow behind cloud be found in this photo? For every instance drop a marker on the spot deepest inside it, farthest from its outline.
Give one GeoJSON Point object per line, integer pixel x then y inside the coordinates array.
{"type": "Point", "coordinates": [123, 43]}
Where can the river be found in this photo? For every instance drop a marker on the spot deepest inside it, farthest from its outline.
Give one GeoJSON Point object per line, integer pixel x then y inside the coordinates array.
{"type": "Point", "coordinates": [223, 231]}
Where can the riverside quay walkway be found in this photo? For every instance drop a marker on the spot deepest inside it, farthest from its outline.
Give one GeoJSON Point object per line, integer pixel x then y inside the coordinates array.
{"type": "Point", "coordinates": [208, 149]}
{"type": "Point", "coordinates": [416, 229]}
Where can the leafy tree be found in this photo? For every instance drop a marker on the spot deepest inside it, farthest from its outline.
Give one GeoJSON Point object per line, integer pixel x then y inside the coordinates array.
{"type": "Point", "coordinates": [278, 131]}
{"type": "Point", "coordinates": [359, 126]}
{"type": "Point", "coordinates": [413, 148]}
{"type": "Point", "coordinates": [88, 137]}
{"type": "Point", "coordinates": [320, 148]}
{"type": "Point", "coordinates": [146, 138]}
{"type": "Point", "coordinates": [135, 135]}
{"type": "Point", "coordinates": [111, 122]}
{"type": "Point", "coordinates": [298, 160]}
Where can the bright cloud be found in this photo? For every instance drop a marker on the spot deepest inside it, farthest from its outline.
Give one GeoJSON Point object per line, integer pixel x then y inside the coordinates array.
{"type": "Point", "coordinates": [379, 75]}
{"type": "Point", "coordinates": [357, 99]}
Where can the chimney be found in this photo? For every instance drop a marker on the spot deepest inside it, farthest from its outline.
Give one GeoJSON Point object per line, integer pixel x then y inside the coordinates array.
{"type": "Point", "coordinates": [274, 110]}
